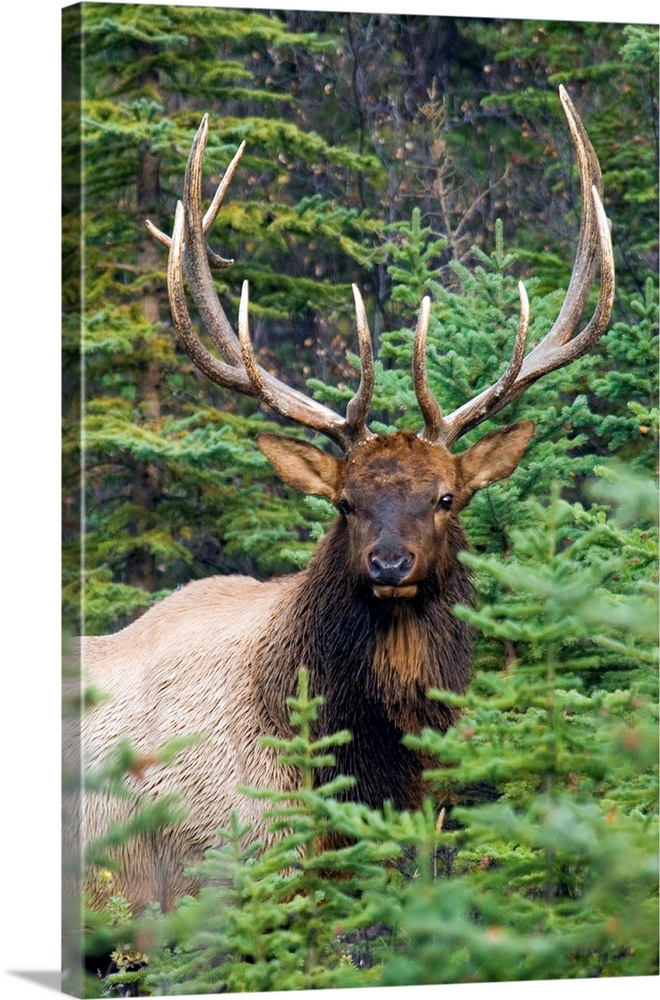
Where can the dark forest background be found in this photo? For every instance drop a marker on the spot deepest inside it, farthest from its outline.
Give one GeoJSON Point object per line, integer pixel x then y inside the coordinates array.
{"type": "Point", "coordinates": [382, 150]}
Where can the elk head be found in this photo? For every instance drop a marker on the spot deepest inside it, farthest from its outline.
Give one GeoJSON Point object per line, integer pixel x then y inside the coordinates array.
{"type": "Point", "coordinates": [399, 493]}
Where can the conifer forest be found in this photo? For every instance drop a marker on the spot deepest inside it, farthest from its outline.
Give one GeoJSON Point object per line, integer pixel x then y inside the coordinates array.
{"type": "Point", "coordinates": [412, 156]}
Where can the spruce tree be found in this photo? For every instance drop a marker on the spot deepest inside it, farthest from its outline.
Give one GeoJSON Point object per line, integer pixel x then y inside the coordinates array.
{"type": "Point", "coordinates": [277, 915]}
{"type": "Point", "coordinates": [544, 882]}
{"type": "Point", "coordinates": [170, 480]}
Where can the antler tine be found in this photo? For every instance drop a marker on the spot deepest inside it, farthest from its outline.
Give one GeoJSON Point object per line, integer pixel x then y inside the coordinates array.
{"type": "Point", "coordinates": [214, 259]}
{"type": "Point", "coordinates": [219, 196]}
{"type": "Point", "coordinates": [499, 394]}
{"type": "Point", "coordinates": [559, 347]}
{"type": "Point", "coordinates": [358, 407]}
{"type": "Point", "coordinates": [249, 359]}
{"type": "Point", "coordinates": [195, 260]}
{"type": "Point", "coordinates": [547, 357]}
{"type": "Point", "coordinates": [287, 401]}
{"type": "Point", "coordinates": [586, 256]}
{"type": "Point", "coordinates": [428, 404]}
{"type": "Point", "coordinates": [223, 374]}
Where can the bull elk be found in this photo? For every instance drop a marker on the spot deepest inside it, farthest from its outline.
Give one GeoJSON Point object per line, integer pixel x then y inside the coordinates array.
{"type": "Point", "coordinates": [370, 617]}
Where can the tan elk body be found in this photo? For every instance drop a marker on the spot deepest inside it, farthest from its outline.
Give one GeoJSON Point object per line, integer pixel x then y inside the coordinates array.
{"type": "Point", "coordinates": [371, 616]}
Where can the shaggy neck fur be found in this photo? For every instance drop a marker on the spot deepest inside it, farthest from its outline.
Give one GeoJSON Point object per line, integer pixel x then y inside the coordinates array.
{"type": "Point", "coordinates": [372, 660]}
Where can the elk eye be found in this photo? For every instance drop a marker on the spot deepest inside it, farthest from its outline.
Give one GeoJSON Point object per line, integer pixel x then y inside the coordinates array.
{"type": "Point", "coordinates": [444, 503]}
{"type": "Point", "coordinates": [345, 507]}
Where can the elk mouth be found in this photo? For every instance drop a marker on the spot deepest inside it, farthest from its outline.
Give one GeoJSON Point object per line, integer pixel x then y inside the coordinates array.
{"type": "Point", "coordinates": [403, 591]}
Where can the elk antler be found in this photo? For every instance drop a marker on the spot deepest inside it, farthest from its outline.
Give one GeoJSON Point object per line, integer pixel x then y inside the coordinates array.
{"type": "Point", "coordinates": [238, 369]}
{"type": "Point", "coordinates": [559, 347]}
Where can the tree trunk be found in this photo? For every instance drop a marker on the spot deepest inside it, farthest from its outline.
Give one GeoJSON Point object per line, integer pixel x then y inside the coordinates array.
{"type": "Point", "coordinates": [146, 478]}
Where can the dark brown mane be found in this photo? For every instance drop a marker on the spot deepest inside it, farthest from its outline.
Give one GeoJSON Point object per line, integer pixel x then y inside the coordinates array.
{"type": "Point", "coordinates": [372, 661]}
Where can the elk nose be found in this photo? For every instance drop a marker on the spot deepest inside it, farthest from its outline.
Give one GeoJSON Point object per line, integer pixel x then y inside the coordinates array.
{"type": "Point", "coordinates": [390, 570]}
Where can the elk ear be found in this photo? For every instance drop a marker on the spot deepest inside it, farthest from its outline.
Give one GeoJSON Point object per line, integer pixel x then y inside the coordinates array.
{"type": "Point", "coordinates": [303, 465]}
{"type": "Point", "coordinates": [494, 457]}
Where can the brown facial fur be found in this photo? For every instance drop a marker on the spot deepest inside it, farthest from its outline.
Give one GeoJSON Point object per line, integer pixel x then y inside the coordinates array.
{"type": "Point", "coordinates": [390, 490]}
{"type": "Point", "coordinates": [393, 485]}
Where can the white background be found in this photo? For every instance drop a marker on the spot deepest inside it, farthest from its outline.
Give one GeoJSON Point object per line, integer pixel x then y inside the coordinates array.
{"type": "Point", "coordinates": [29, 453]}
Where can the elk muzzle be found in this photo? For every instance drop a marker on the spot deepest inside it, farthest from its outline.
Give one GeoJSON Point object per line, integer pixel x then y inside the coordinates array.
{"type": "Point", "coordinates": [389, 566]}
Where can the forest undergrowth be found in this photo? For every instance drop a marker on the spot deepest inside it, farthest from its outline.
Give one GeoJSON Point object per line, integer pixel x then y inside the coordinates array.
{"type": "Point", "coordinates": [536, 853]}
